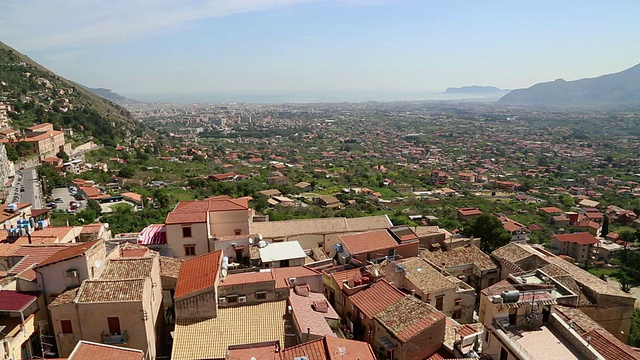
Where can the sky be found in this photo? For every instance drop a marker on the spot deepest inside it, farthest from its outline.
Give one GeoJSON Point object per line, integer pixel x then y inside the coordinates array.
{"type": "Point", "coordinates": [320, 49]}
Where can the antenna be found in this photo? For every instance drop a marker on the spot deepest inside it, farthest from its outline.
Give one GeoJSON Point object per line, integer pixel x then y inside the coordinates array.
{"type": "Point", "coordinates": [98, 264]}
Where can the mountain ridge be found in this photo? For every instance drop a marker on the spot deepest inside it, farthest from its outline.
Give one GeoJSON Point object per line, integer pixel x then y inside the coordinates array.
{"type": "Point", "coordinates": [620, 88]}
{"type": "Point", "coordinates": [38, 95]}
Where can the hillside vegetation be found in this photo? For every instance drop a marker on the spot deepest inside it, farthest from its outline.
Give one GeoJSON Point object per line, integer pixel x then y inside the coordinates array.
{"type": "Point", "coordinates": [38, 95]}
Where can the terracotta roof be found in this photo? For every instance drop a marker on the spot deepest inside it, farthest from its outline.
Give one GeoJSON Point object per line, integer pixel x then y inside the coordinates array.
{"type": "Point", "coordinates": [283, 274]}
{"type": "Point", "coordinates": [308, 317]}
{"type": "Point", "coordinates": [469, 211]}
{"type": "Point", "coordinates": [276, 229]}
{"type": "Point", "coordinates": [86, 350]}
{"type": "Point", "coordinates": [368, 242]}
{"type": "Point", "coordinates": [551, 210]}
{"type": "Point", "coordinates": [69, 253]}
{"type": "Point", "coordinates": [11, 300]}
{"type": "Point", "coordinates": [314, 350]}
{"type": "Point", "coordinates": [66, 297]}
{"type": "Point", "coordinates": [409, 317]}
{"type": "Point", "coordinates": [376, 298]}
{"type": "Point", "coordinates": [32, 255]}
{"type": "Point", "coordinates": [341, 276]}
{"type": "Point", "coordinates": [127, 268]}
{"type": "Point", "coordinates": [583, 238]}
{"type": "Point", "coordinates": [328, 348]}
{"type": "Point", "coordinates": [425, 277]}
{"type": "Point", "coordinates": [462, 255]}
{"type": "Point", "coordinates": [198, 273]}
{"type": "Point", "coordinates": [170, 267]}
{"type": "Point", "coordinates": [269, 350]}
{"type": "Point", "coordinates": [111, 290]}
{"type": "Point", "coordinates": [247, 278]}
{"type": "Point", "coordinates": [602, 341]}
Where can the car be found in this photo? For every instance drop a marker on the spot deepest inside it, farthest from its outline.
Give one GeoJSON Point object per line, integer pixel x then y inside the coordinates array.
{"type": "Point", "coordinates": [21, 189]}
{"type": "Point", "coordinates": [52, 205]}
{"type": "Point", "coordinates": [73, 203]}
{"type": "Point", "coordinates": [70, 210]}
{"type": "Point", "coordinates": [79, 197]}
{"type": "Point", "coordinates": [58, 200]}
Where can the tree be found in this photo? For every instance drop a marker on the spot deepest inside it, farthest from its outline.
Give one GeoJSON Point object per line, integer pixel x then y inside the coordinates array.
{"type": "Point", "coordinates": [12, 154]}
{"type": "Point", "coordinates": [161, 199]}
{"type": "Point", "coordinates": [490, 231]}
{"type": "Point", "coordinates": [94, 205]}
{"type": "Point", "coordinates": [567, 200]}
{"type": "Point", "coordinates": [127, 172]}
{"type": "Point", "coordinates": [62, 155]}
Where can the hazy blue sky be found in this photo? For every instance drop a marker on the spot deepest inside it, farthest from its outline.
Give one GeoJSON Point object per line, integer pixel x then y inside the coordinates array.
{"type": "Point", "coordinates": [391, 48]}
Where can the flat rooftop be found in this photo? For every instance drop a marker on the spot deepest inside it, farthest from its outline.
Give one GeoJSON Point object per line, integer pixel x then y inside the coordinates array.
{"type": "Point", "coordinates": [545, 343]}
{"type": "Point", "coordinates": [210, 338]}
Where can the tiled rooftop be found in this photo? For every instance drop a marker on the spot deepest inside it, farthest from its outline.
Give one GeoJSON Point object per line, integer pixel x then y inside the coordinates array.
{"type": "Point", "coordinates": [198, 273]}
{"type": "Point", "coordinates": [408, 317]}
{"type": "Point", "coordinates": [170, 267]}
{"type": "Point", "coordinates": [274, 229]}
{"type": "Point", "coordinates": [423, 276]}
{"type": "Point", "coordinates": [66, 297]}
{"type": "Point", "coordinates": [307, 317]}
{"type": "Point", "coordinates": [459, 256]}
{"type": "Point", "coordinates": [86, 350]}
{"type": "Point", "coordinates": [209, 338]}
{"type": "Point", "coordinates": [376, 297]}
{"type": "Point", "coordinates": [69, 253]}
{"type": "Point", "coordinates": [269, 350]}
{"type": "Point", "coordinates": [111, 290]}
{"type": "Point", "coordinates": [247, 278]}
{"type": "Point", "coordinates": [283, 274]}
{"type": "Point", "coordinates": [604, 342]}
{"type": "Point", "coordinates": [127, 268]}
{"type": "Point", "coordinates": [368, 242]}
{"type": "Point", "coordinates": [314, 349]}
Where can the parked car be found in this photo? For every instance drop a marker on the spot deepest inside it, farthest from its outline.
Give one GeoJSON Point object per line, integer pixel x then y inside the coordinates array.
{"type": "Point", "coordinates": [58, 200]}
{"type": "Point", "coordinates": [73, 203]}
{"type": "Point", "coordinates": [52, 205]}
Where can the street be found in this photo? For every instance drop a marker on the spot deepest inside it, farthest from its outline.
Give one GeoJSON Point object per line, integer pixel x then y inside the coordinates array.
{"type": "Point", "coordinates": [32, 193]}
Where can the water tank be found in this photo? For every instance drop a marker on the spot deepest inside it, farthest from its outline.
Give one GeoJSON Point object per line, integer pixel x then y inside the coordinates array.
{"type": "Point", "coordinates": [225, 262]}
{"type": "Point", "coordinates": [365, 280]}
{"type": "Point", "coordinates": [510, 296]}
{"type": "Point", "coordinates": [339, 248]}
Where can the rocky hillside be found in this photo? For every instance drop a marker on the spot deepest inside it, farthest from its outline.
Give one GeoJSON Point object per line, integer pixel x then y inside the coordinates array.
{"type": "Point", "coordinates": [37, 95]}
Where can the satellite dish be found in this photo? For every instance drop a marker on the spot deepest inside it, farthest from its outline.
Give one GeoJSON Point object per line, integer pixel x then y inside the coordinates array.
{"type": "Point", "coordinates": [342, 350]}
{"type": "Point", "coordinates": [250, 240]}
{"type": "Point", "coordinates": [98, 264]}
{"type": "Point", "coordinates": [224, 272]}
{"type": "Point", "coordinates": [260, 236]}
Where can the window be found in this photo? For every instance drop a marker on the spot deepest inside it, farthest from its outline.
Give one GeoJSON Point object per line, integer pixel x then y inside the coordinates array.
{"type": "Point", "coordinates": [238, 231]}
{"type": "Point", "coordinates": [232, 298]}
{"type": "Point", "coordinates": [186, 232]}
{"type": "Point", "coordinates": [439, 302]}
{"type": "Point", "coordinates": [190, 250]}
{"type": "Point", "coordinates": [457, 314]}
{"type": "Point", "coordinates": [66, 326]}
{"type": "Point", "coordinates": [261, 295]}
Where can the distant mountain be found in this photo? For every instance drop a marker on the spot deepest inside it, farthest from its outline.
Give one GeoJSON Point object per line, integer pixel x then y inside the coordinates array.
{"type": "Point", "coordinates": [475, 90]}
{"type": "Point", "coordinates": [37, 95]}
{"type": "Point", "coordinates": [113, 96]}
{"type": "Point", "coordinates": [622, 88]}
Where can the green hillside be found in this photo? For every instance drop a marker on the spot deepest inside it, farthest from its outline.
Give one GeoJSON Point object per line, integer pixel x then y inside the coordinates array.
{"type": "Point", "coordinates": [38, 95]}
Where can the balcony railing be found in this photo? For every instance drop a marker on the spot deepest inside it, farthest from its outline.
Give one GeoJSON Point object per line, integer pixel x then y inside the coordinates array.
{"type": "Point", "coordinates": [115, 338]}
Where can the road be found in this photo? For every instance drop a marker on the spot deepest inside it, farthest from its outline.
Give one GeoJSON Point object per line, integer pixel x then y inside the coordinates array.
{"type": "Point", "coordinates": [32, 193]}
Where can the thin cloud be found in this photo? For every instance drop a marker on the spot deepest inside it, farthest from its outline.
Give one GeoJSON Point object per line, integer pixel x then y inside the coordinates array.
{"type": "Point", "coordinates": [67, 24]}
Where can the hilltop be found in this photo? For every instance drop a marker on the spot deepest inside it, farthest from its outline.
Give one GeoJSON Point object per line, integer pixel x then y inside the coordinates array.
{"type": "Point", "coordinates": [113, 96]}
{"type": "Point", "coordinates": [622, 88]}
{"type": "Point", "coordinates": [38, 95]}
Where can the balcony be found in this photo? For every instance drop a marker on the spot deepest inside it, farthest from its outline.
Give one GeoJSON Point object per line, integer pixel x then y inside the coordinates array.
{"type": "Point", "coordinates": [115, 339]}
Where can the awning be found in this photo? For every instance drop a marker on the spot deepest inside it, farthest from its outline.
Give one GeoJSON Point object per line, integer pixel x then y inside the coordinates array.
{"type": "Point", "coordinates": [387, 344]}
{"type": "Point", "coordinates": [521, 304]}
{"type": "Point", "coordinates": [153, 234]}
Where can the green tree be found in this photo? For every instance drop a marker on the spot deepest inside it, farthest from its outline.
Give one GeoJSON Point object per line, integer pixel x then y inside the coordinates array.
{"type": "Point", "coordinates": [161, 199]}
{"type": "Point", "coordinates": [62, 155]}
{"type": "Point", "coordinates": [567, 200]}
{"type": "Point", "coordinates": [12, 154]}
{"type": "Point", "coordinates": [94, 206]}
{"type": "Point", "coordinates": [127, 172]}
{"type": "Point", "coordinates": [490, 231]}
{"type": "Point", "coordinates": [634, 333]}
